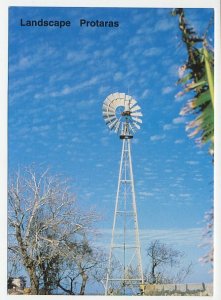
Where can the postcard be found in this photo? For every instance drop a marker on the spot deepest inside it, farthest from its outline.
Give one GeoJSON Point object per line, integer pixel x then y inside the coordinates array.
{"type": "Point", "coordinates": [110, 149]}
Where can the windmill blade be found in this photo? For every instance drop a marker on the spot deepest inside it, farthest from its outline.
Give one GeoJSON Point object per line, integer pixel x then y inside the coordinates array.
{"type": "Point", "coordinates": [115, 96]}
{"type": "Point", "coordinates": [135, 108]}
{"type": "Point", "coordinates": [111, 97]}
{"type": "Point", "coordinates": [127, 97]}
{"type": "Point", "coordinates": [117, 103]}
{"type": "Point", "coordinates": [118, 96]}
{"type": "Point", "coordinates": [136, 125]}
{"type": "Point", "coordinates": [117, 126]}
{"type": "Point", "coordinates": [136, 114]}
{"type": "Point", "coordinates": [107, 101]}
{"type": "Point", "coordinates": [131, 128]}
{"type": "Point", "coordinates": [108, 114]}
{"type": "Point", "coordinates": [110, 111]}
{"type": "Point", "coordinates": [126, 105]}
{"type": "Point", "coordinates": [111, 125]}
{"type": "Point", "coordinates": [122, 95]}
{"type": "Point", "coordinates": [106, 108]}
{"type": "Point", "coordinates": [137, 120]}
{"type": "Point", "coordinates": [132, 102]}
{"type": "Point", "coordinates": [109, 106]}
{"type": "Point", "coordinates": [109, 119]}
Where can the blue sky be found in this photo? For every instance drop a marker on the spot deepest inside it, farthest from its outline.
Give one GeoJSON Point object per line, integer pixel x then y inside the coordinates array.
{"type": "Point", "coordinates": [58, 80]}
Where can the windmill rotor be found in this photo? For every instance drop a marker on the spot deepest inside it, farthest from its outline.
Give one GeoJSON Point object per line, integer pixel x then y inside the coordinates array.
{"type": "Point", "coordinates": [122, 114]}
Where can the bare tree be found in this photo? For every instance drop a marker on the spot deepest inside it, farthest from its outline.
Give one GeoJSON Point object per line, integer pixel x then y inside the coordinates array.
{"type": "Point", "coordinates": [165, 264]}
{"type": "Point", "coordinates": [85, 263]}
{"type": "Point", "coordinates": [45, 228]}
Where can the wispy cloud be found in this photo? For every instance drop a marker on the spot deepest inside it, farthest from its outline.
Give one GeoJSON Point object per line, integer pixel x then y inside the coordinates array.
{"type": "Point", "coordinates": [145, 93]}
{"type": "Point", "coordinates": [158, 137]}
{"type": "Point", "coordinates": [118, 76]}
{"type": "Point", "coordinates": [180, 237]}
{"type": "Point", "coordinates": [163, 25]}
{"type": "Point", "coordinates": [179, 120]}
{"type": "Point", "coordinates": [167, 90]}
{"type": "Point", "coordinates": [154, 51]}
{"type": "Point", "coordinates": [146, 194]}
{"type": "Point", "coordinates": [105, 141]}
{"type": "Point", "coordinates": [192, 162]}
{"type": "Point", "coordinates": [179, 141]}
{"type": "Point", "coordinates": [168, 126]}
{"type": "Point", "coordinates": [66, 90]}
{"type": "Point", "coordinates": [184, 195]}
{"type": "Point", "coordinates": [76, 57]}
{"type": "Point", "coordinates": [188, 236]}
{"type": "Point", "coordinates": [33, 59]}
{"type": "Point", "coordinates": [99, 165]}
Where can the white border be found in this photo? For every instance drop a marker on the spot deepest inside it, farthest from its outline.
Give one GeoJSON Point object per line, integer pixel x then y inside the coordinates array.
{"type": "Point", "coordinates": [3, 125]}
{"type": "Point", "coordinates": [116, 3]}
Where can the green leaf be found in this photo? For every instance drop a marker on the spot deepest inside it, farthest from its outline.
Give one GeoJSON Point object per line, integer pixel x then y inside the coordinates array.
{"type": "Point", "coordinates": [195, 85]}
{"type": "Point", "coordinates": [209, 74]}
{"type": "Point", "coordinates": [202, 98]}
{"type": "Point", "coordinates": [206, 113]}
{"type": "Point", "coordinates": [185, 78]}
{"type": "Point", "coordinates": [207, 136]}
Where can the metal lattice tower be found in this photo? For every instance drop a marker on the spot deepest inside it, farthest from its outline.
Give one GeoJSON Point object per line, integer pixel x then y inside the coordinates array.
{"type": "Point", "coordinates": [122, 114]}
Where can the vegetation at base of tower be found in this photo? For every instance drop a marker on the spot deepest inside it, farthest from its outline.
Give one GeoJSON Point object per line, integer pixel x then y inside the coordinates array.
{"type": "Point", "coordinates": [49, 236]}
{"type": "Point", "coordinates": [197, 78]}
{"type": "Point", "coordinates": [165, 264]}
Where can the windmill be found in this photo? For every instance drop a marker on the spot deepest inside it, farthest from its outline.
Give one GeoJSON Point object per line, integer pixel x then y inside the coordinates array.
{"type": "Point", "coordinates": [123, 115]}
